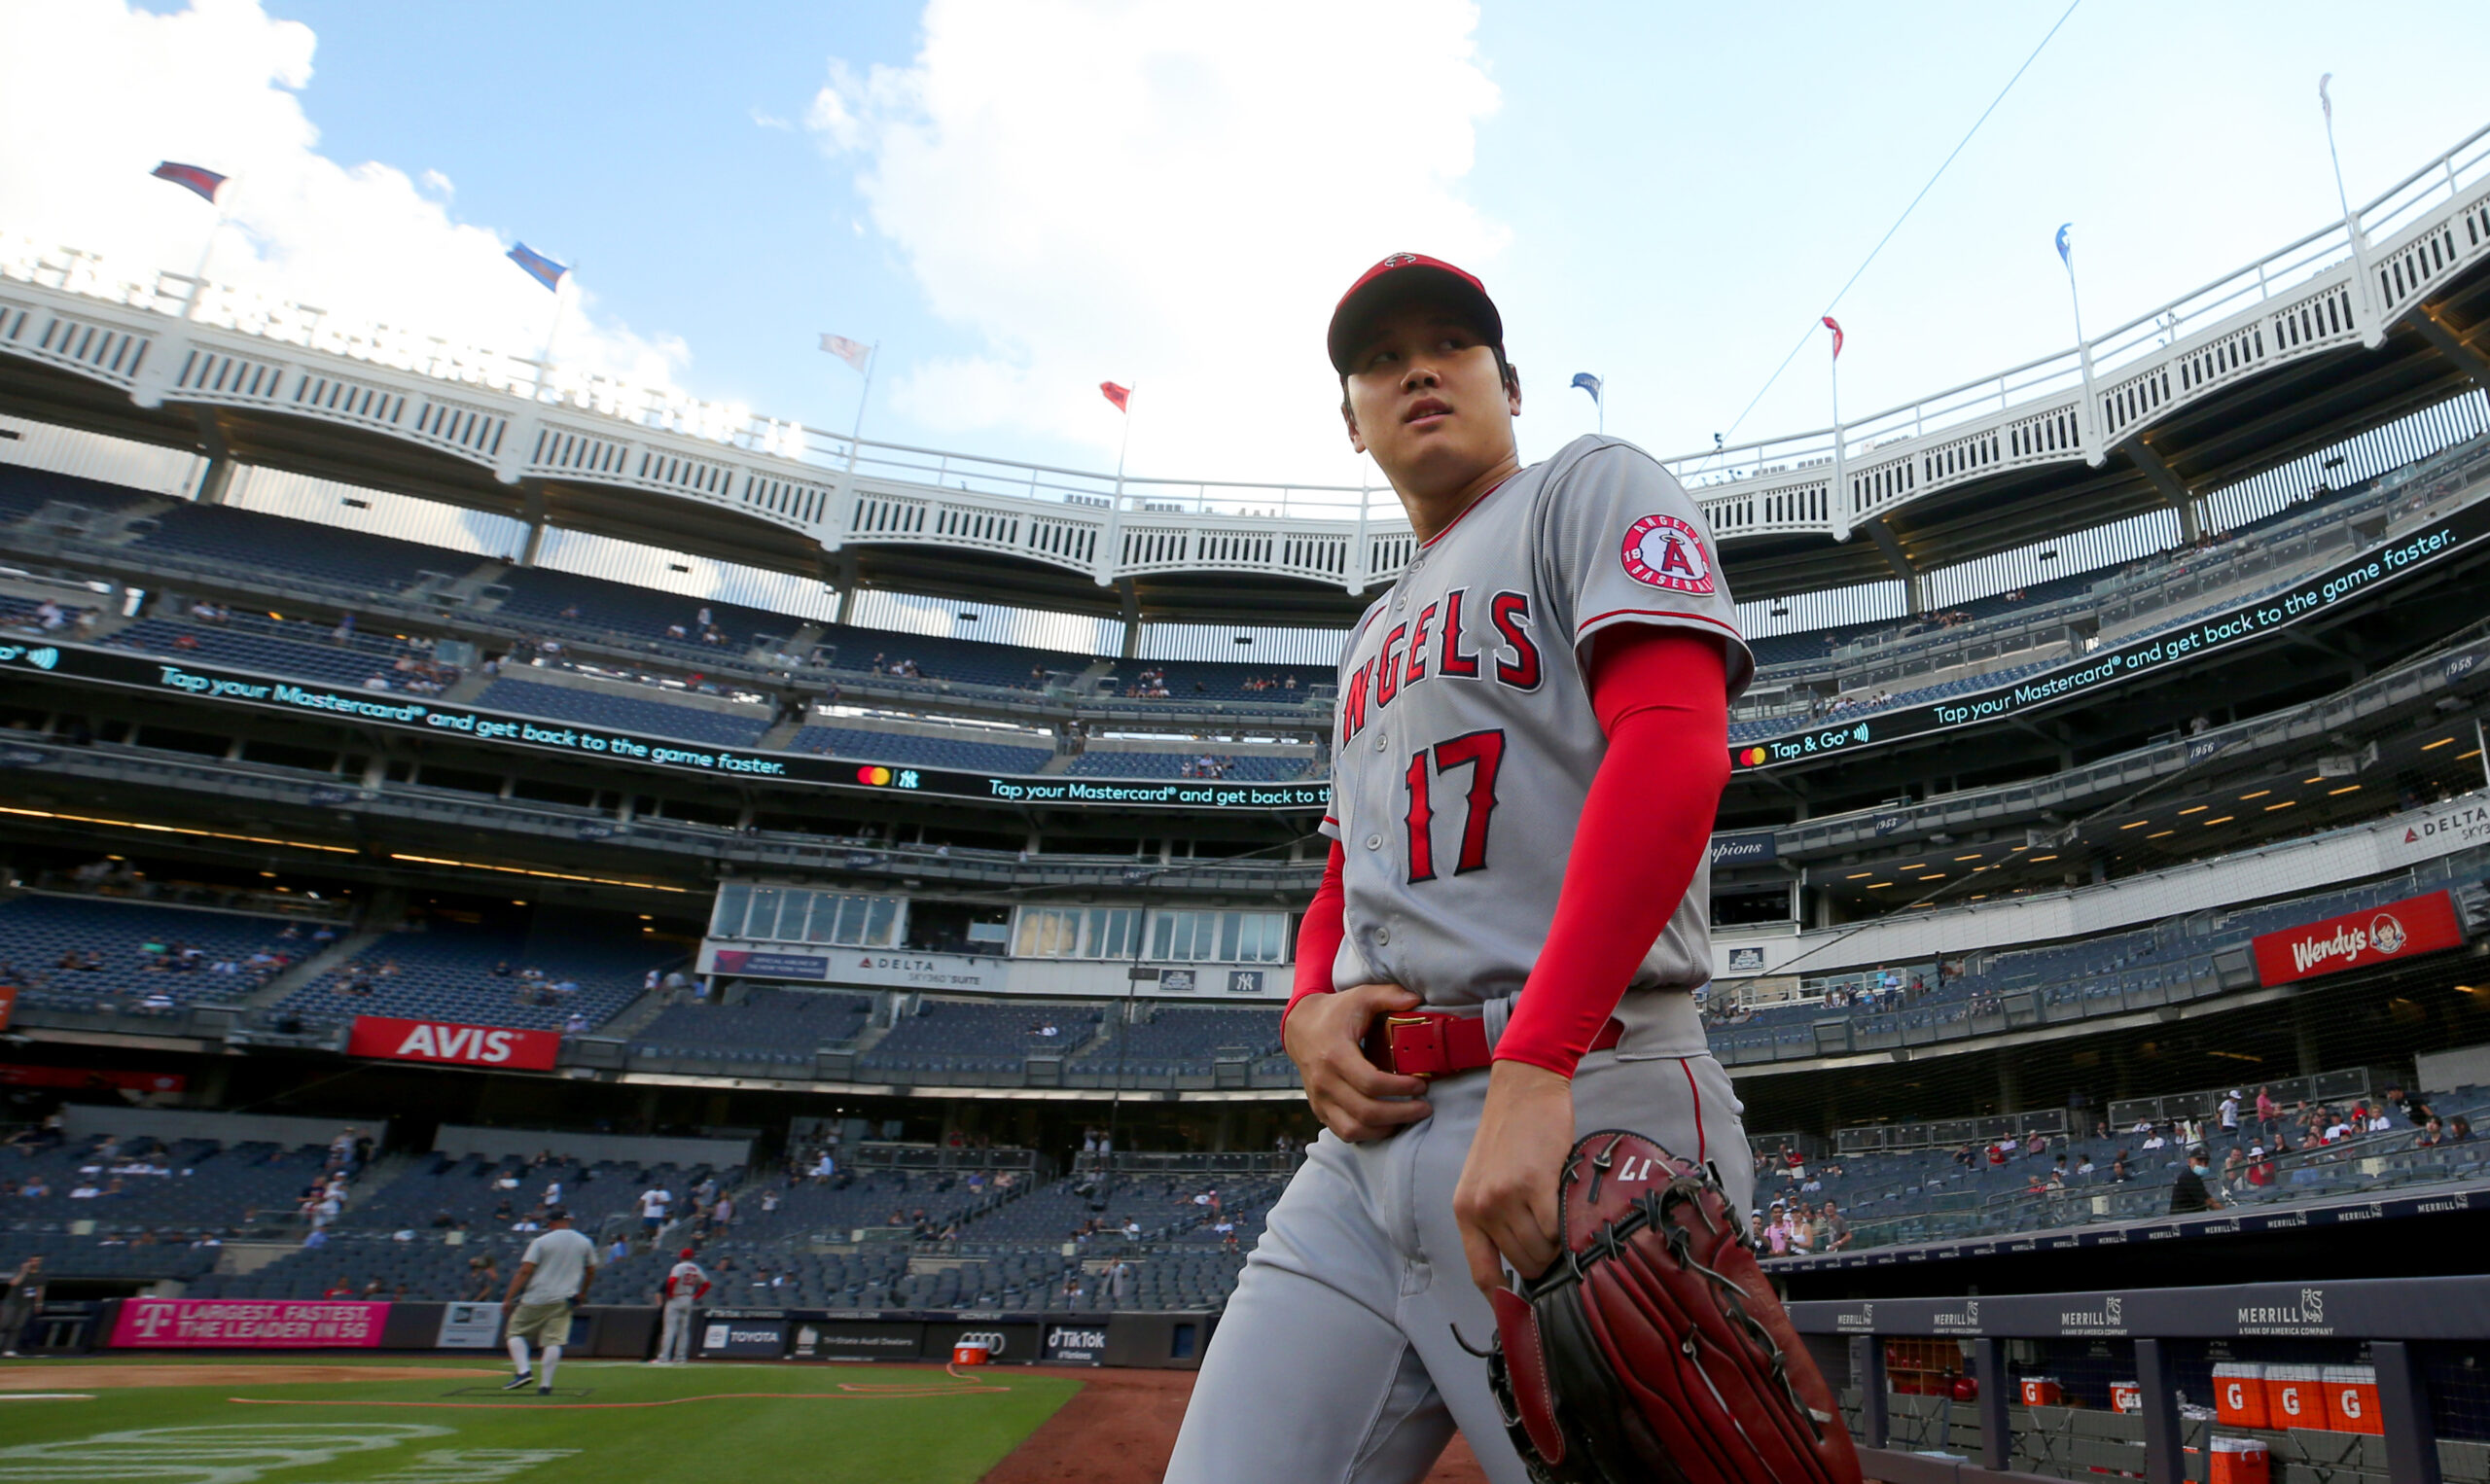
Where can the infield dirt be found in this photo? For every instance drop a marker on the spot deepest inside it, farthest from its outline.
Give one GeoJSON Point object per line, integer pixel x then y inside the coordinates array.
{"type": "Point", "coordinates": [1121, 1426]}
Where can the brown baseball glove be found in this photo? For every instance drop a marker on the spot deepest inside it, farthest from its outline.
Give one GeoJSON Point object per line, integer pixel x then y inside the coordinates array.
{"type": "Point", "coordinates": [1655, 1350]}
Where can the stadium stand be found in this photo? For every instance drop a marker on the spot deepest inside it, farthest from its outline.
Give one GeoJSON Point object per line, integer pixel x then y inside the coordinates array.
{"type": "Point", "coordinates": [137, 958]}
{"type": "Point", "coordinates": [922, 751]}
{"type": "Point", "coordinates": [548, 601]}
{"type": "Point", "coordinates": [1249, 768]}
{"type": "Point", "coordinates": [778, 1027]}
{"type": "Point", "coordinates": [135, 1186]}
{"type": "Point", "coordinates": [478, 975]}
{"type": "Point", "coordinates": [623, 713]}
{"type": "Point", "coordinates": [1190, 1036]}
{"type": "Point", "coordinates": [957, 1036]}
{"type": "Point", "coordinates": [289, 649]}
{"type": "Point", "coordinates": [341, 561]}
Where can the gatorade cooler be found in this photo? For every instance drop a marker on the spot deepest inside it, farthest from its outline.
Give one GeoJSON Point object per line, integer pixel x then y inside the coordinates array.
{"type": "Point", "coordinates": [2240, 1461]}
{"type": "Point", "coordinates": [2351, 1399]}
{"type": "Point", "coordinates": [2294, 1396]}
{"type": "Point", "coordinates": [2239, 1394]}
{"type": "Point", "coordinates": [2127, 1396]}
{"type": "Point", "coordinates": [2042, 1392]}
{"type": "Point", "coordinates": [968, 1355]}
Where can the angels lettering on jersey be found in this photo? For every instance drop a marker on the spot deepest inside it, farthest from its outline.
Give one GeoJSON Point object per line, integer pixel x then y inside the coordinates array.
{"type": "Point", "coordinates": [1464, 741]}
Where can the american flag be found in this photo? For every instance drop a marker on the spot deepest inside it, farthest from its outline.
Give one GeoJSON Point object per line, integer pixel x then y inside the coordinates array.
{"type": "Point", "coordinates": [854, 353]}
{"type": "Point", "coordinates": [189, 178]}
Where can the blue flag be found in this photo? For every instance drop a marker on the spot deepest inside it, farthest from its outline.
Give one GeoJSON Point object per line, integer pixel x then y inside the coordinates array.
{"type": "Point", "coordinates": [1589, 384]}
{"type": "Point", "coordinates": [543, 269]}
{"type": "Point", "coordinates": [2066, 243]}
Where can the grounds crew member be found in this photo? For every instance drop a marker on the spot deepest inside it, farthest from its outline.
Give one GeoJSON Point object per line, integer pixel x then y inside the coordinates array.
{"type": "Point", "coordinates": [553, 1274]}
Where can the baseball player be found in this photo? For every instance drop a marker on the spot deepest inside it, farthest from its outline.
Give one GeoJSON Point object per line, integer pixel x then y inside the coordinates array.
{"type": "Point", "coordinates": [1529, 748]}
{"type": "Point", "coordinates": [684, 1283]}
{"type": "Point", "coordinates": [553, 1274]}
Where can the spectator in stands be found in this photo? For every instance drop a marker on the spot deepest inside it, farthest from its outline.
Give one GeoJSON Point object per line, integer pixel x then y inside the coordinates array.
{"type": "Point", "coordinates": [654, 1202]}
{"type": "Point", "coordinates": [2430, 1138]}
{"type": "Point", "coordinates": [2267, 1111]}
{"type": "Point", "coordinates": [2458, 1130]}
{"type": "Point", "coordinates": [2228, 1114]}
{"type": "Point", "coordinates": [2188, 1193]}
{"type": "Point", "coordinates": [1833, 1232]}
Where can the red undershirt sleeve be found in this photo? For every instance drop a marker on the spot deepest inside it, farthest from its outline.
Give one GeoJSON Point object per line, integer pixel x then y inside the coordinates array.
{"type": "Point", "coordinates": [1318, 937]}
{"type": "Point", "coordinates": [1661, 696]}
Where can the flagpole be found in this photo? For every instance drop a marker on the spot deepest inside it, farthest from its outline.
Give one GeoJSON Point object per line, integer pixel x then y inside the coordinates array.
{"type": "Point", "coordinates": [206, 250]}
{"type": "Point", "coordinates": [1126, 444]}
{"type": "Point", "coordinates": [1840, 503]}
{"type": "Point", "coordinates": [2088, 427]}
{"type": "Point", "coordinates": [2365, 306]}
{"type": "Point", "coordinates": [553, 334]}
{"type": "Point", "coordinates": [873, 358]}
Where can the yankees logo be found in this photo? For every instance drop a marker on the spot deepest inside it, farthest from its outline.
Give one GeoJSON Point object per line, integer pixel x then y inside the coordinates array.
{"type": "Point", "coordinates": [1664, 551]}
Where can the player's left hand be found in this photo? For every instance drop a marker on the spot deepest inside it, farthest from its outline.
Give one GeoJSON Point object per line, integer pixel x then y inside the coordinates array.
{"type": "Point", "coordinates": [1505, 1203]}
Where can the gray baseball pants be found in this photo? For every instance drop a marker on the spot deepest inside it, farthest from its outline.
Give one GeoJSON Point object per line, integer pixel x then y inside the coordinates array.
{"type": "Point", "coordinates": [1335, 1361]}
{"type": "Point", "coordinates": [674, 1342]}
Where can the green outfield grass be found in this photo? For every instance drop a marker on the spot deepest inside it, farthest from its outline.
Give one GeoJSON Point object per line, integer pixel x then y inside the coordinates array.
{"type": "Point", "coordinates": [880, 1422]}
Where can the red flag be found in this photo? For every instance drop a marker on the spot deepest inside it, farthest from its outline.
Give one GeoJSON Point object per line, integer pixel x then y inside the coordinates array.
{"type": "Point", "coordinates": [1117, 395]}
{"type": "Point", "coordinates": [1834, 325]}
{"type": "Point", "coordinates": [189, 178]}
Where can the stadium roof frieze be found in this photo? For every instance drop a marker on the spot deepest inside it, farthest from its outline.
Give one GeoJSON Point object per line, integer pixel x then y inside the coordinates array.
{"type": "Point", "coordinates": [2338, 330]}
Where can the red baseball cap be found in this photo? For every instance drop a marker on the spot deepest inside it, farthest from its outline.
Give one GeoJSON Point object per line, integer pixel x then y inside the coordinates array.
{"type": "Point", "coordinates": [1396, 281]}
{"type": "Point", "coordinates": [686, 1252]}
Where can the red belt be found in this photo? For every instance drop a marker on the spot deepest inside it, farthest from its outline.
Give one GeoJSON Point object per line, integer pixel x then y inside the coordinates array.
{"type": "Point", "coordinates": [1432, 1043]}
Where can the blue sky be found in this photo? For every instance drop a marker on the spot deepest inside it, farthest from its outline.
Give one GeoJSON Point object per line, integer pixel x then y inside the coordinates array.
{"type": "Point", "coordinates": [1018, 201]}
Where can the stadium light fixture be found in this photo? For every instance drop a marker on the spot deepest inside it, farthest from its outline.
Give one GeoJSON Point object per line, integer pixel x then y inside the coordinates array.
{"type": "Point", "coordinates": [2138, 825]}
{"type": "Point", "coordinates": [2288, 803]}
{"type": "Point", "coordinates": [2159, 833]}
{"type": "Point", "coordinates": [2260, 793]}
{"type": "Point", "coordinates": [1878, 886]}
{"type": "Point", "coordinates": [2045, 857]}
{"type": "Point", "coordinates": [2225, 820]}
{"type": "Point", "coordinates": [1860, 874]}
{"type": "Point", "coordinates": [2349, 788]}
{"type": "Point", "coordinates": [2193, 810]}
{"type": "Point", "coordinates": [1974, 856]}
{"type": "Point", "coordinates": [2428, 747]}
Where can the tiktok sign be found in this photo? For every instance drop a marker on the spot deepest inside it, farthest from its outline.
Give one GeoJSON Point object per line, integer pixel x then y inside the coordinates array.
{"type": "Point", "coordinates": [446, 1042]}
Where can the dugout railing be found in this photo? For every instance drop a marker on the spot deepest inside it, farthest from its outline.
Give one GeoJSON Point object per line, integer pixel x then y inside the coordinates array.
{"type": "Point", "coordinates": [2383, 1376]}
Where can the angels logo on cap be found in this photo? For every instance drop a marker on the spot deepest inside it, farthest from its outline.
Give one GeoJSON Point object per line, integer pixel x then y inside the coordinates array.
{"type": "Point", "coordinates": [1664, 551]}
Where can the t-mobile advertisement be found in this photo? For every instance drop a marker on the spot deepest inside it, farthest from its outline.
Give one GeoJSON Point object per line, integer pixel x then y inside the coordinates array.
{"type": "Point", "coordinates": [243, 1323]}
{"type": "Point", "coordinates": [234, 687]}
{"type": "Point", "coordinates": [2400, 558]}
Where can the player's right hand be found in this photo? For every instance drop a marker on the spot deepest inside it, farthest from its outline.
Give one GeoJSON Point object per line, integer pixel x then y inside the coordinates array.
{"type": "Point", "coordinates": [1354, 1098]}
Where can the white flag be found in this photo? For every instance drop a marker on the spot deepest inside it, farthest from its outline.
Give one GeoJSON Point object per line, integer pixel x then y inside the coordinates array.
{"type": "Point", "coordinates": [847, 350]}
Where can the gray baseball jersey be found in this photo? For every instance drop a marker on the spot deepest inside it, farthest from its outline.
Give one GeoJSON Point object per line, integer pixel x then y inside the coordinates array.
{"type": "Point", "coordinates": [1465, 741]}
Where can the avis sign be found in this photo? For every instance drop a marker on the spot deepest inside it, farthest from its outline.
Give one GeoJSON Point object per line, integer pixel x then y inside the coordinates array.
{"type": "Point", "coordinates": [450, 1043]}
{"type": "Point", "coordinates": [2399, 930]}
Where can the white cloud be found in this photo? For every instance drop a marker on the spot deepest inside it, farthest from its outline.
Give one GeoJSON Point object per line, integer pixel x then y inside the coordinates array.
{"type": "Point", "coordinates": [1167, 196]}
{"type": "Point", "coordinates": [216, 85]}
